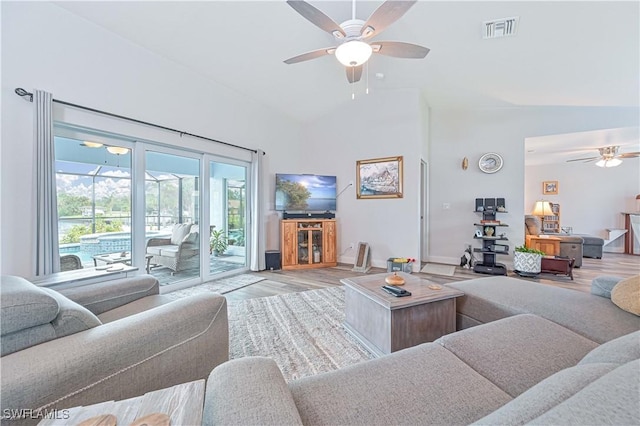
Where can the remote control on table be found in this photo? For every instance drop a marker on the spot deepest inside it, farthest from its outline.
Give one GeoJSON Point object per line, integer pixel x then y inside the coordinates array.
{"type": "Point", "coordinates": [395, 291]}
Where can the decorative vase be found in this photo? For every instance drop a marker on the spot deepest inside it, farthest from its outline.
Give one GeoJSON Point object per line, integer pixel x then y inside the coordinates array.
{"type": "Point", "coordinates": [530, 263]}
{"type": "Point", "coordinates": [488, 231]}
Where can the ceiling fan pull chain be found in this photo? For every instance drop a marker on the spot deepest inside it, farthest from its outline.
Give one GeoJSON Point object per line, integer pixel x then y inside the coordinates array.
{"type": "Point", "coordinates": [353, 76]}
{"type": "Point", "coordinates": [366, 65]}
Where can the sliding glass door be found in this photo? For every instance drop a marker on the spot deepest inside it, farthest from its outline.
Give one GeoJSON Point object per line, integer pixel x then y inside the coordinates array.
{"type": "Point", "coordinates": [227, 216]}
{"type": "Point", "coordinates": [122, 201]}
{"type": "Point", "coordinates": [172, 216]}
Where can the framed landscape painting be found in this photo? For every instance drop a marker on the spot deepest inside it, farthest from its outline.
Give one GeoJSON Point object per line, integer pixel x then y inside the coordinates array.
{"type": "Point", "coordinates": [379, 178]}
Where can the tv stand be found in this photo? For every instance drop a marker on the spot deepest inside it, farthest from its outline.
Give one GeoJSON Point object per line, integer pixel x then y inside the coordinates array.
{"type": "Point", "coordinates": [308, 243]}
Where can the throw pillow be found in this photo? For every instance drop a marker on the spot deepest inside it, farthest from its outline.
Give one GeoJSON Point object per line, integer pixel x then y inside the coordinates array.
{"type": "Point", "coordinates": [602, 286]}
{"type": "Point", "coordinates": [626, 295]}
{"type": "Point", "coordinates": [191, 237]}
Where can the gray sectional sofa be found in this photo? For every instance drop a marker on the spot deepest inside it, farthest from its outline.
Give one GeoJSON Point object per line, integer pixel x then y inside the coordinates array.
{"type": "Point", "coordinates": [100, 342]}
{"type": "Point", "coordinates": [527, 353]}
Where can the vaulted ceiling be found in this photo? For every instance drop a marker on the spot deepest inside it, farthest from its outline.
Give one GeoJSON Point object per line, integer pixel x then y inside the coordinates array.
{"type": "Point", "coordinates": [564, 53]}
{"type": "Point", "coordinates": [573, 53]}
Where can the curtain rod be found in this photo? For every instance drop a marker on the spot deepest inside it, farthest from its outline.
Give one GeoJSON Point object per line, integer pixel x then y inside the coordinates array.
{"type": "Point", "coordinates": [23, 93]}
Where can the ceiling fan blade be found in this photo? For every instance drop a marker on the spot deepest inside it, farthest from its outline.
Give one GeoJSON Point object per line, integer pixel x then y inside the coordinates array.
{"type": "Point", "coordinates": [583, 159]}
{"type": "Point", "coordinates": [629, 155]}
{"type": "Point", "coordinates": [311, 55]}
{"type": "Point", "coordinates": [316, 17]}
{"type": "Point", "coordinates": [399, 49]}
{"type": "Point", "coordinates": [388, 13]}
{"type": "Point", "coordinates": [354, 74]}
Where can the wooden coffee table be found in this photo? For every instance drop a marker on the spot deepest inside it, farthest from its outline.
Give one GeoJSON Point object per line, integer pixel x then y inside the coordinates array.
{"type": "Point", "coordinates": [385, 324]}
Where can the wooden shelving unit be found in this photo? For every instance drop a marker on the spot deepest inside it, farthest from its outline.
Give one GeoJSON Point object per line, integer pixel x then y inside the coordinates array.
{"type": "Point", "coordinates": [551, 223]}
{"type": "Point", "coordinates": [308, 243]}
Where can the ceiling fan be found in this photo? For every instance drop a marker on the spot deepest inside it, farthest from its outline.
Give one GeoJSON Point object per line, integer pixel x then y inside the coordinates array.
{"type": "Point", "coordinates": [609, 157]}
{"type": "Point", "coordinates": [352, 46]}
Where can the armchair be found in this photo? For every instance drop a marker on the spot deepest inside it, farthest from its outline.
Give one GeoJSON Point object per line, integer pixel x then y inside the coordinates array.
{"type": "Point", "coordinates": [107, 341]}
{"type": "Point", "coordinates": [180, 251]}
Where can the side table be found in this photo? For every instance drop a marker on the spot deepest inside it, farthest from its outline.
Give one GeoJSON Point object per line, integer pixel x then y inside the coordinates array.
{"type": "Point", "coordinates": [549, 245]}
{"type": "Point", "coordinates": [183, 403]}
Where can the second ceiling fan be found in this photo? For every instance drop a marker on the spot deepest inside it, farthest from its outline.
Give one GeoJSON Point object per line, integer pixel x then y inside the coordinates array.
{"type": "Point", "coordinates": [353, 49]}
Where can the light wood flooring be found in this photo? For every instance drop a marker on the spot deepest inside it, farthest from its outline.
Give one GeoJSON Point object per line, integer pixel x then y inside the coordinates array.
{"type": "Point", "coordinates": [281, 282]}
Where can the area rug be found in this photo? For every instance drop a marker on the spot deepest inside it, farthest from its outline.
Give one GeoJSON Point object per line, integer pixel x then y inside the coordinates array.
{"type": "Point", "coordinates": [221, 286]}
{"type": "Point", "coordinates": [302, 332]}
{"type": "Point", "coordinates": [438, 269]}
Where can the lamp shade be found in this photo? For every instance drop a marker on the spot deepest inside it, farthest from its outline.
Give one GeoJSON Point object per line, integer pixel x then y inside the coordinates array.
{"type": "Point", "coordinates": [117, 150]}
{"type": "Point", "coordinates": [353, 53]}
{"type": "Point", "coordinates": [542, 208]}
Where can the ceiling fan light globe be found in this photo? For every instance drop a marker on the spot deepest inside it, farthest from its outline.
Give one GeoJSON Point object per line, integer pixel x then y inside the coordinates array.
{"type": "Point", "coordinates": [609, 162]}
{"type": "Point", "coordinates": [90, 144]}
{"type": "Point", "coordinates": [353, 53]}
{"type": "Point", "coordinates": [117, 150]}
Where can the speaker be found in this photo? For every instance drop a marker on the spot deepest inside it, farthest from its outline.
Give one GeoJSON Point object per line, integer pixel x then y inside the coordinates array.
{"type": "Point", "coordinates": [479, 204]}
{"type": "Point", "coordinates": [272, 259]}
{"type": "Point", "coordinates": [490, 204]}
{"type": "Point", "coordinates": [500, 203]}
{"type": "Point", "coordinates": [323, 215]}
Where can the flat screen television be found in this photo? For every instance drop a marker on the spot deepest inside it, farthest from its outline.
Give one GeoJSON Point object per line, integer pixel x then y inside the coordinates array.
{"type": "Point", "coordinates": [297, 192]}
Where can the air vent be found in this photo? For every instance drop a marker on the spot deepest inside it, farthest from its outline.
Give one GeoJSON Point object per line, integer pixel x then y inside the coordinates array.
{"type": "Point", "coordinates": [500, 27]}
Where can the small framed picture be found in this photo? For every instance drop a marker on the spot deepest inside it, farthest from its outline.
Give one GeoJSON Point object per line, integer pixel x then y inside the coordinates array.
{"type": "Point", "coordinates": [550, 187]}
{"type": "Point", "coordinates": [478, 233]}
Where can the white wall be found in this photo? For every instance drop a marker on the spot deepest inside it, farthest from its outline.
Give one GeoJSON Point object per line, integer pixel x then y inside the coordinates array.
{"type": "Point", "coordinates": [459, 133]}
{"type": "Point", "coordinates": [45, 47]}
{"type": "Point", "coordinates": [591, 198]}
{"type": "Point", "coordinates": [382, 124]}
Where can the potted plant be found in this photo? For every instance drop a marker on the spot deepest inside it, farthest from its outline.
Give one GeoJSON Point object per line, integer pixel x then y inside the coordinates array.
{"type": "Point", "coordinates": [527, 261]}
{"type": "Point", "coordinates": [218, 242]}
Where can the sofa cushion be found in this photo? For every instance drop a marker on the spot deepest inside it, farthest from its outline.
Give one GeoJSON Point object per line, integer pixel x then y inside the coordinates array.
{"type": "Point", "coordinates": [602, 286]}
{"type": "Point", "coordinates": [155, 250]}
{"type": "Point", "coordinates": [618, 351]}
{"type": "Point", "coordinates": [179, 231]}
{"type": "Point", "coordinates": [107, 295]}
{"type": "Point", "coordinates": [518, 352]}
{"type": "Point", "coordinates": [612, 400]}
{"type": "Point", "coordinates": [491, 298]}
{"type": "Point", "coordinates": [22, 339]}
{"type": "Point", "coordinates": [425, 384]}
{"type": "Point", "coordinates": [626, 295]}
{"type": "Point", "coordinates": [72, 318]}
{"type": "Point", "coordinates": [24, 305]}
{"type": "Point", "coordinates": [249, 391]}
{"type": "Point", "coordinates": [135, 307]}
{"type": "Point", "coordinates": [546, 395]}
{"type": "Point", "coordinates": [170, 251]}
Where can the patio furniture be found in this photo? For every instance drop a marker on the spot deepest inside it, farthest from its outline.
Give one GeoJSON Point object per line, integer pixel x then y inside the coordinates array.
{"type": "Point", "coordinates": [70, 262]}
{"type": "Point", "coordinates": [180, 251]}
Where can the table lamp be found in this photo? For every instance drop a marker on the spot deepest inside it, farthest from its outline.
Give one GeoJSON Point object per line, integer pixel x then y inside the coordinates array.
{"type": "Point", "coordinates": [542, 208]}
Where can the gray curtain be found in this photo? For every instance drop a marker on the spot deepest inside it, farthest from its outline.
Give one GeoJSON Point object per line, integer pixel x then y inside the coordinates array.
{"type": "Point", "coordinates": [257, 213]}
{"type": "Point", "coordinates": [46, 229]}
